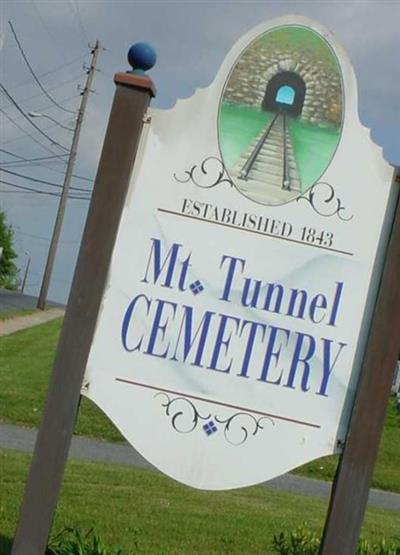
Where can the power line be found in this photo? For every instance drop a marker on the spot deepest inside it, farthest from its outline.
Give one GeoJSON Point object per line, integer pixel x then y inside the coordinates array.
{"type": "Point", "coordinates": [105, 74]}
{"type": "Point", "coordinates": [34, 162]}
{"type": "Point", "coordinates": [33, 73]}
{"type": "Point", "coordinates": [72, 241]}
{"type": "Point", "coordinates": [49, 32]}
{"type": "Point", "coordinates": [51, 126]}
{"type": "Point", "coordinates": [22, 159]}
{"type": "Point", "coordinates": [76, 12]}
{"type": "Point", "coordinates": [24, 130]}
{"type": "Point", "coordinates": [39, 192]}
{"type": "Point", "coordinates": [61, 84]}
{"type": "Point", "coordinates": [47, 106]}
{"type": "Point", "coordinates": [58, 68]}
{"type": "Point", "coordinates": [16, 192]}
{"type": "Point", "coordinates": [23, 165]}
{"type": "Point", "coordinates": [63, 101]}
{"type": "Point", "coordinates": [5, 91]}
{"type": "Point", "coordinates": [36, 180]}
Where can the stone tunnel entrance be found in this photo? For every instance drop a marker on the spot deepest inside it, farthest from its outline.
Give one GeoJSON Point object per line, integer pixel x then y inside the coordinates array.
{"type": "Point", "coordinates": [285, 92]}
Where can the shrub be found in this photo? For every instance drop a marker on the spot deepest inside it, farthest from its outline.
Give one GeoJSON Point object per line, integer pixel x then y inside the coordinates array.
{"type": "Point", "coordinates": [8, 269]}
{"type": "Point", "coordinates": [304, 541]}
{"type": "Point", "coordinates": [300, 542]}
{"type": "Point", "coordinates": [71, 542]}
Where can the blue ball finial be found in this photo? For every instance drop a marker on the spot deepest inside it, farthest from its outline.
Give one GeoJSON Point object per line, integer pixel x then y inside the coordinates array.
{"type": "Point", "coordinates": [141, 56]}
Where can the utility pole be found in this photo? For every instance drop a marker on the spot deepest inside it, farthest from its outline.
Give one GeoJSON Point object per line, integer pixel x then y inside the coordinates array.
{"type": "Point", "coordinates": [67, 181]}
{"type": "Point", "coordinates": [26, 271]}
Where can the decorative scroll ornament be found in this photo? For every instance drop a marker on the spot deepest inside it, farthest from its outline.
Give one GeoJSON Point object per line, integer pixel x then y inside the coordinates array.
{"type": "Point", "coordinates": [185, 418]}
{"type": "Point", "coordinates": [240, 425]}
{"type": "Point", "coordinates": [210, 173]}
{"type": "Point", "coordinates": [184, 415]}
{"type": "Point", "coordinates": [322, 198]}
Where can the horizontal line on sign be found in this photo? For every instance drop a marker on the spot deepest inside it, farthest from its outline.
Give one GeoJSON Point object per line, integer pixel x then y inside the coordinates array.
{"type": "Point", "coordinates": [253, 231]}
{"type": "Point", "coordinates": [277, 417]}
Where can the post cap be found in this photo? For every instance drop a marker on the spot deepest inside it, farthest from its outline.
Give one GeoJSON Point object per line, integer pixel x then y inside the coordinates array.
{"type": "Point", "coordinates": [141, 57]}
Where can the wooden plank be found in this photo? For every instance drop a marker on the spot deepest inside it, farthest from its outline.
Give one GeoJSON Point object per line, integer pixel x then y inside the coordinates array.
{"type": "Point", "coordinates": [351, 486]}
{"type": "Point", "coordinates": [111, 184]}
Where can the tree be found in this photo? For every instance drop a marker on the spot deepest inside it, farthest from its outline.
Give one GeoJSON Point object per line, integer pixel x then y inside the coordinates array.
{"type": "Point", "coordinates": [8, 270]}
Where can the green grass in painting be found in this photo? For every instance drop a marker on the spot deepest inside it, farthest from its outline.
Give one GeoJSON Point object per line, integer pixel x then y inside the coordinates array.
{"type": "Point", "coordinates": [25, 362]}
{"type": "Point", "coordinates": [131, 507]}
{"type": "Point", "coordinates": [313, 148]}
{"type": "Point", "coordinates": [238, 126]}
{"type": "Point", "coordinates": [313, 145]}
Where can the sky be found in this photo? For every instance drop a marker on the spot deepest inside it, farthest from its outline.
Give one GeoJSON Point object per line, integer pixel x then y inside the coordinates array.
{"type": "Point", "coordinates": [191, 39]}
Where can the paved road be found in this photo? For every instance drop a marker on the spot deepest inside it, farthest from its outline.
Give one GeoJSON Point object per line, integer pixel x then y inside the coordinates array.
{"type": "Point", "coordinates": [23, 439]}
{"type": "Point", "coordinates": [14, 300]}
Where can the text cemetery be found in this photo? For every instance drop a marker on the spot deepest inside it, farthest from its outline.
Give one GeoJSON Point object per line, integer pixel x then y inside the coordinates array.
{"type": "Point", "coordinates": [205, 338]}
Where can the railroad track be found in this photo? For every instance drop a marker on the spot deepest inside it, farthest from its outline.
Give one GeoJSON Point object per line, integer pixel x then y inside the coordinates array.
{"type": "Point", "coordinates": [267, 171]}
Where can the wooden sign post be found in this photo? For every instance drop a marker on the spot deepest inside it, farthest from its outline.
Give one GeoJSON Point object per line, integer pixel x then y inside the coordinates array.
{"type": "Point", "coordinates": [351, 486]}
{"type": "Point", "coordinates": [131, 100]}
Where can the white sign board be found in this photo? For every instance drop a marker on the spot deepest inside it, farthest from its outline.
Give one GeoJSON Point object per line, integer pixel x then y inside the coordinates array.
{"type": "Point", "coordinates": [240, 293]}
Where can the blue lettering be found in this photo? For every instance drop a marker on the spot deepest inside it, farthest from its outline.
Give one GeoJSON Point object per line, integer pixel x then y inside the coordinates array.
{"type": "Point", "coordinates": [159, 328]}
{"type": "Point", "coordinates": [319, 301]}
{"type": "Point", "coordinates": [222, 341]}
{"type": "Point", "coordinates": [229, 276]}
{"type": "Point", "coordinates": [328, 367]}
{"type": "Point", "coordinates": [127, 320]}
{"type": "Point", "coordinates": [189, 338]}
{"type": "Point", "coordinates": [272, 354]}
{"type": "Point", "coordinates": [336, 303]}
{"type": "Point", "coordinates": [169, 263]}
{"type": "Point", "coordinates": [254, 326]}
{"type": "Point", "coordinates": [299, 358]}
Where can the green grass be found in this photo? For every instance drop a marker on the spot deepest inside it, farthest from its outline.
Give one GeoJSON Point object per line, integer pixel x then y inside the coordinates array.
{"type": "Point", "coordinates": [128, 506]}
{"type": "Point", "coordinates": [26, 359]}
{"type": "Point", "coordinates": [313, 145]}
{"type": "Point", "coordinates": [313, 148]}
{"type": "Point", "coordinates": [386, 474]}
{"type": "Point", "coordinates": [25, 363]}
{"type": "Point", "coordinates": [238, 126]}
{"type": "Point", "coordinates": [10, 314]}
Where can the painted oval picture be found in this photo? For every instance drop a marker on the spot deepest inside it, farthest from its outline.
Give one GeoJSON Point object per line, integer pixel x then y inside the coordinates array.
{"type": "Point", "coordinates": [280, 116]}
